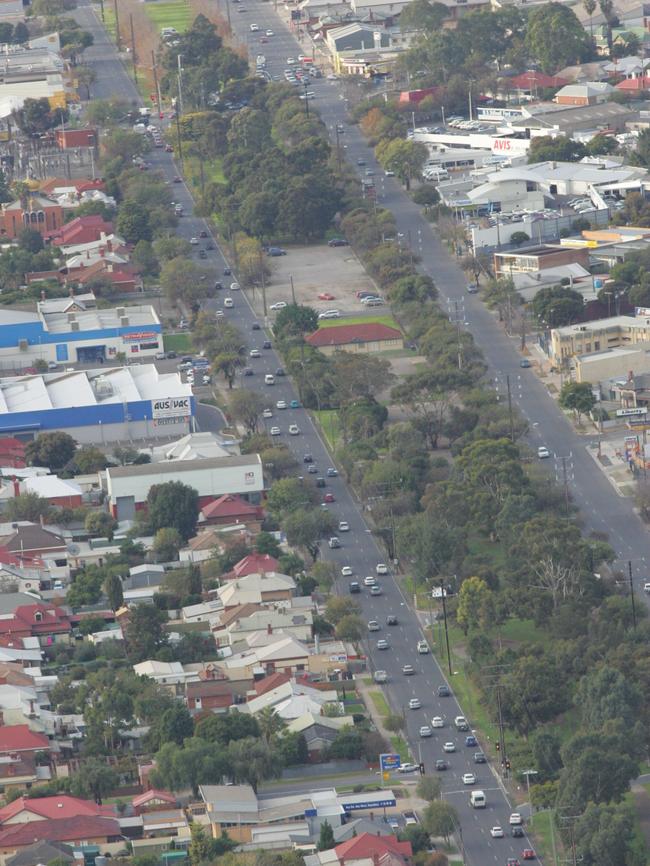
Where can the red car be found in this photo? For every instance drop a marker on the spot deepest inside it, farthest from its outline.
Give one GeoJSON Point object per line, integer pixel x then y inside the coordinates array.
{"type": "Point", "coordinates": [263, 39]}
{"type": "Point", "coordinates": [528, 854]}
{"type": "Point", "coordinates": [326, 296]}
{"type": "Point", "coordinates": [178, 179]}
{"type": "Point", "coordinates": [512, 861]}
{"type": "Point", "coordinates": [329, 497]}
{"type": "Point", "coordinates": [169, 148]}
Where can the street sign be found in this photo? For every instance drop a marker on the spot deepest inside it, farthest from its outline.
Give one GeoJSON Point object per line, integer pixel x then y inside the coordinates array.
{"type": "Point", "coordinates": [389, 761]}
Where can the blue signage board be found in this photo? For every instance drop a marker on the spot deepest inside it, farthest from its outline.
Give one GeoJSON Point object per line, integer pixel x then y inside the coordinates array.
{"type": "Point", "coordinates": [388, 802]}
{"type": "Point", "coordinates": [389, 761]}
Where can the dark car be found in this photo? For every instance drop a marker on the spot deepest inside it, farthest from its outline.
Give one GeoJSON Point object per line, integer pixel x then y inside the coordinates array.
{"type": "Point", "coordinates": [443, 691]}
{"type": "Point", "coordinates": [479, 758]}
{"type": "Point", "coordinates": [255, 326]}
{"type": "Point", "coordinates": [332, 472]}
{"type": "Point", "coordinates": [517, 832]}
{"type": "Point", "coordinates": [280, 372]}
{"type": "Point", "coordinates": [203, 233]}
{"type": "Point", "coordinates": [266, 344]}
{"type": "Point", "coordinates": [361, 161]}
{"type": "Point", "coordinates": [471, 740]}
{"type": "Point", "coordinates": [274, 252]}
{"type": "Point", "coordinates": [391, 619]}
{"type": "Point", "coordinates": [320, 481]}
{"type": "Point", "coordinates": [525, 363]}
{"type": "Point", "coordinates": [248, 371]}
{"type": "Point", "coordinates": [209, 245]}
{"type": "Point", "coordinates": [218, 286]}
{"type": "Point", "coordinates": [203, 254]}
{"type": "Point", "coordinates": [337, 242]}
{"type": "Point", "coordinates": [227, 272]}
{"type": "Point", "coordinates": [307, 458]}
{"type": "Point", "coordinates": [171, 355]}
{"type": "Point", "coordinates": [441, 765]}
{"type": "Point", "coordinates": [354, 587]}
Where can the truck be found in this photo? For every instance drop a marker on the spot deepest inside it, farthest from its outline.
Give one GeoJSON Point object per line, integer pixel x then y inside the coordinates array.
{"type": "Point", "coordinates": [477, 800]}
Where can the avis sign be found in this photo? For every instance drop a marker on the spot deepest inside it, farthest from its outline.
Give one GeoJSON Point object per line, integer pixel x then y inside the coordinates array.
{"type": "Point", "coordinates": [510, 146]}
{"type": "Point", "coordinates": [170, 407]}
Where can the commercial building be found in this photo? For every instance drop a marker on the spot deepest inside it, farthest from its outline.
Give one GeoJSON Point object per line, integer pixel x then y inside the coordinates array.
{"type": "Point", "coordinates": [36, 212]}
{"type": "Point", "coordinates": [79, 335]}
{"type": "Point", "coordinates": [128, 486]}
{"type": "Point", "coordinates": [568, 119]}
{"type": "Point", "coordinates": [603, 334]}
{"type": "Point", "coordinates": [536, 259]}
{"type": "Point", "coordinates": [370, 337]}
{"type": "Point", "coordinates": [98, 406]}
{"type": "Point", "coordinates": [589, 93]}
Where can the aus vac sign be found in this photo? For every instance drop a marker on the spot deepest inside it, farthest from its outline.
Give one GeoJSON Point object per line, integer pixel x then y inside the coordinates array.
{"type": "Point", "coordinates": [170, 407]}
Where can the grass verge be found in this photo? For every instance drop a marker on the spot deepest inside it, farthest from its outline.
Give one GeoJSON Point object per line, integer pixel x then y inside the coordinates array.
{"type": "Point", "coordinates": [400, 746]}
{"type": "Point", "coordinates": [174, 14]}
{"type": "Point", "coordinates": [385, 319]}
{"type": "Point", "coordinates": [177, 343]}
{"type": "Point", "coordinates": [380, 702]}
{"type": "Point", "coordinates": [329, 425]}
{"type": "Point", "coordinates": [541, 824]}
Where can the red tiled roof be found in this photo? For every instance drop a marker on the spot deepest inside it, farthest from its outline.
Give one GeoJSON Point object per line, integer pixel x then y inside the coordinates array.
{"type": "Point", "coordinates": [37, 619]}
{"type": "Point", "coordinates": [9, 558]}
{"type": "Point", "coordinates": [340, 335]}
{"type": "Point", "coordinates": [635, 84]}
{"type": "Point", "coordinates": [530, 80]}
{"type": "Point", "coordinates": [56, 808]}
{"type": "Point", "coordinates": [152, 794]}
{"type": "Point", "coordinates": [73, 830]}
{"type": "Point", "coordinates": [230, 505]}
{"type": "Point", "coordinates": [12, 452]}
{"type": "Point", "coordinates": [256, 563]}
{"type": "Point", "coordinates": [366, 845]}
{"type": "Point", "coordinates": [83, 229]}
{"type": "Point", "coordinates": [18, 738]}
{"type": "Point", "coordinates": [271, 682]}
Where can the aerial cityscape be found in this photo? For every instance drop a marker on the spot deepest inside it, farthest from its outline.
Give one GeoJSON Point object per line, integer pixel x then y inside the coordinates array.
{"type": "Point", "coordinates": [324, 391]}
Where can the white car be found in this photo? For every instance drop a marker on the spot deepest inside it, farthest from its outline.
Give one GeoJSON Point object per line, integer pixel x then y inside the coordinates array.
{"type": "Point", "coordinates": [496, 832]}
{"type": "Point", "coordinates": [255, 353]}
{"type": "Point", "coordinates": [294, 430]}
{"type": "Point", "coordinates": [449, 747]}
{"type": "Point", "coordinates": [228, 303]}
{"type": "Point", "coordinates": [344, 526]}
{"type": "Point", "coordinates": [281, 404]}
{"type": "Point", "coordinates": [291, 61]}
{"type": "Point", "coordinates": [194, 241]}
{"type": "Point", "coordinates": [275, 431]}
{"type": "Point", "coordinates": [206, 379]}
{"type": "Point", "coordinates": [269, 33]}
{"type": "Point", "coordinates": [254, 28]}
{"type": "Point", "coordinates": [234, 287]}
{"type": "Point", "coordinates": [279, 305]}
{"type": "Point", "coordinates": [330, 314]}
{"type": "Point", "coordinates": [469, 779]}
{"type": "Point", "coordinates": [346, 571]}
{"type": "Point", "coordinates": [381, 568]}
{"type": "Point", "coordinates": [437, 722]}
{"type": "Point", "coordinates": [425, 731]}
{"type": "Point", "coordinates": [543, 452]}
{"type": "Point", "coordinates": [267, 413]}
{"type": "Point", "coordinates": [515, 819]}
{"type": "Point", "coordinates": [369, 581]}
{"type": "Point", "coordinates": [408, 768]}
{"type": "Point", "coordinates": [415, 704]}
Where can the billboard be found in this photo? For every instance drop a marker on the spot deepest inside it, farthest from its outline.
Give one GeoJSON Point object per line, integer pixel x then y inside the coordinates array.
{"type": "Point", "coordinates": [170, 407]}
{"type": "Point", "coordinates": [389, 761]}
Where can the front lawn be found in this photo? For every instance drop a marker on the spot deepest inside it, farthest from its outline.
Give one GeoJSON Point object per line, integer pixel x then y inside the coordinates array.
{"type": "Point", "coordinates": [176, 13]}
{"type": "Point", "coordinates": [385, 319]}
{"type": "Point", "coordinates": [177, 343]}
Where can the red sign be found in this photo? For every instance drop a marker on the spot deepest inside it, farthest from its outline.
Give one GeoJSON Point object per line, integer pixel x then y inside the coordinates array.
{"type": "Point", "coordinates": [141, 335]}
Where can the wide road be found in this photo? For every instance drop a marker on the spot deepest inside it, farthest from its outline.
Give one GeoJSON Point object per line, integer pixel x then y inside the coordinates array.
{"type": "Point", "coordinates": [359, 549]}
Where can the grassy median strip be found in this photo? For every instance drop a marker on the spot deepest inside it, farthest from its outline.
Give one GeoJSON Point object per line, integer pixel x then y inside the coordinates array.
{"type": "Point", "coordinates": [380, 703]}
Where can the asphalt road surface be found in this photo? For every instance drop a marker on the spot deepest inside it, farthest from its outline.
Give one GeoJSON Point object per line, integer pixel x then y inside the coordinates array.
{"type": "Point", "coordinates": [602, 509]}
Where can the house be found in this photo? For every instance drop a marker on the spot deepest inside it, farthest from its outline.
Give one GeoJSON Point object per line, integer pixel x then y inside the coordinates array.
{"type": "Point", "coordinates": [12, 452]}
{"type": "Point", "coordinates": [48, 623]}
{"type": "Point", "coordinates": [318, 730]}
{"type": "Point", "coordinates": [634, 85]}
{"type": "Point", "coordinates": [18, 739]}
{"type": "Point", "coordinates": [272, 621]}
{"type": "Point", "coordinates": [75, 831]}
{"type": "Point", "coordinates": [66, 138]}
{"type": "Point", "coordinates": [35, 212]}
{"type": "Point", "coordinates": [370, 337]}
{"type": "Point", "coordinates": [254, 563]}
{"type": "Point", "coordinates": [212, 695]}
{"type": "Point", "coordinates": [43, 852]}
{"type": "Point", "coordinates": [368, 847]}
{"type": "Point", "coordinates": [21, 703]}
{"type": "Point", "coordinates": [23, 537]}
{"type": "Point", "coordinates": [529, 84]}
{"type": "Point", "coordinates": [587, 93]}
{"type": "Point", "coordinates": [59, 806]}
{"type": "Point", "coordinates": [153, 800]}
{"type": "Point", "coordinates": [231, 509]}
{"type": "Point", "coordinates": [59, 492]}
{"type": "Point", "coordinates": [292, 700]}
{"type": "Point", "coordinates": [195, 446]}
{"type": "Point", "coordinates": [283, 653]}
{"type": "Point", "coordinates": [257, 589]}
{"type": "Point", "coordinates": [82, 230]}
{"type": "Point", "coordinates": [171, 675]}
{"type": "Point", "coordinates": [568, 120]}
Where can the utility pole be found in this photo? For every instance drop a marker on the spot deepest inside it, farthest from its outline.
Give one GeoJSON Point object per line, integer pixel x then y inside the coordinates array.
{"type": "Point", "coordinates": [338, 147]}
{"type": "Point", "coordinates": [458, 336]}
{"type": "Point", "coordinates": [293, 291]}
{"type": "Point", "coordinates": [101, 8]}
{"type": "Point", "coordinates": [179, 143]}
{"type": "Point", "coordinates": [502, 736]}
{"type": "Point", "coordinates": [134, 57]}
{"type": "Point", "coordinates": [180, 84]}
{"type": "Point", "coordinates": [263, 284]}
{"type": "Point", "coordinates": [565, 482]}
{"type": "Point", "coordinates": [510, 414]}
{"type": "Point", "coordinates": [156, 82]}
{"type": "Point", "coordinates": [118, 42]}
{"type": "Point", "coordinates": [444, 614]}
{"type": "Point", "coordinates": [629, 571]}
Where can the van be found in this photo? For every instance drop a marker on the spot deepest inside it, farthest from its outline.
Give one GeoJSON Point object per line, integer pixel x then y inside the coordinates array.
{"type": "Point", "coordinates": [269, 379]}
{"type": "Point", "coordinates": [477, 800]}
{"type": "Point", "coordinates": [380, 677]}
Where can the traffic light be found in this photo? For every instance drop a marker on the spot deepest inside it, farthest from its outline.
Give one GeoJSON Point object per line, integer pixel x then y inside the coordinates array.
{"type": "Point", "coordinates": [507, 765]}
{"type": "Point", "coordinates": [422, 770]}
{"type": "Point", "coordinates": [498, 745]}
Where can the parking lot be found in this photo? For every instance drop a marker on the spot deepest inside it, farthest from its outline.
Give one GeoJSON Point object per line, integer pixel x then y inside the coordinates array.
{"type": "Point", "coordinates": [317, 270]}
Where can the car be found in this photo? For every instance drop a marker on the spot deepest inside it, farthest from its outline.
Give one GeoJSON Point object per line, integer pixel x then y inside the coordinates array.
{"type": "Point", "coordinates": [274, 252]}
{"type": "Point", "coordinates": [525, 363]}
{"type": "Point", "coordinates": [227, 272]}
{"type": "Point", "coordinates": [295, 404]}
{"type": "Point", "coordinates": [361, 161]}
{"type": "Point", "coordinates": [281, 404]}
{"type": "Point", "coordinates": [337, 242]}
{"type": "Point", "coordinates": [326, 296]}
{"type": "Point", "coordinates": [203, 233]}
{"type": "Point", "coordinates": [344, 526]}
{"type": "Point", "coordinates": [255, 353]}
{"type": "Point", "coordinates": [391, 619]}
{"type": "Point", "coordinates": [279, 305]}
{"type": "Point", "coordinates": [469, 779]}
{"type": "Point", "coordinates": [517, 832]}
{"type": "Point", "coordinates": [471, 741]}
{"type": "Point", "coordinates": [528, 854]}
{"type": "Point", "coordinates": [369, 581]}
{"type": "Point", "coordinates": [354, 587]}
{"type": "Point", "coordinates": [254, 28]}
{"type": "Point", "coordinates": [184, 365]}
{"type": "Point", "coordinates": [423, 647]}
{"type": "Point", "coordinates": [369, 172]}
{"type": "Point", "coordinates": [266, 344]}
{"type": "Point", "coordinates": [169, 148]}
{"type": "Point", "coordinates": [443, 691]}
{"type": "Point", "coordinates": [205, 380]}
{"type": "Point", "coordinates": [449, 747]}
{"type": "Point", "coordinates": [320, 482]}
{"type": "Point", "coordinates": [171, 355]}
{"type": "Point", "coordinates": [294, 430]}
{"type": "Point", "coordinates": [512, 861]}
{"type": "Point", "coordinates": [280, 372]}
{"type": "Point", "coordinates": [269, 33]}
{"type": "Point", "coordinates": [177, 179]}
{"type": "Point", "coordinates": [332, 472]}
{"type": "Point", "coordinates": [410, 817]}
{"type": "Point", "coordinates": [543, 452]}
{"type": "Point", "coordinates": [441, 765]}
{"type": "Point", "coordinates": [307, 458]}
{"type": "Point", "coordinates": [234, 287]}
{"type": "Point", "coordinates": [291, 61]}
{"type": "Point", "coordinates": [267, 413]}
{"type": "Point", "coordinates": [425, 731]}
{"type": "Point", "coordinates": [256, 326]}
{"type": "Point", "coordinates": [515, 820]}
{"type": "Point", "coordinates": [380, 677]}
{"type": "Point", "coordinates": [228, 303]}
{"type": "Point", "coordinates": [479, 758]}
{"type": "Point", "coordinates": [194, 241]}
{"type": "Point", "coordinates": [408, 670]}
{"type": "Point", "coordinates": [275, 431]}
{"type": "Point", "coordinates": [263, 40]}
{"type": "Point", "coordinates": [461, 723]}
{"type": "Point", "coordinates": [329, 497]}
{"type": "Point", "coordinates": [311, 469]}
{"type": "Point", "coordinates": [373, 625]}
{"type": "Point", "coordinates": [437, 722]}
{"type": "Point", "coordinates": [376, 590]}
{"type": "Point", "coordinates": [346, 571]}
{"type": "Point", "coordinates": [472, 289]}
{"type": "Point", "coordinates": [408, 768]}
{"type": "Point", "coordinates": [381, 568]}
{"type": "Point", "coordinates": [330, 314]}
{"type": "Point", "coordinates": [496, 832]}
{"type": "Point", "coordinates": [382, 644]}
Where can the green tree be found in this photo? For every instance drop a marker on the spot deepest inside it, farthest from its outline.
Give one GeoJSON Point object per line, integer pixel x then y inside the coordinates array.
{"type": "Point", "coordinates": [182, 279]}
{"type": "Point", "coordinates": [100, 523]}
{"type": "Point", "coordinates": [30, 240]}
{"type": "Point", "coordinates": [577, 396]}
{"type": "Point", "coordinates": [555, 37]}
{"type": "Point", "coordinates": [556, 306]}
{"type": "Point", "coordinates": [605, 694]}
{"type": "Point", "coordinates": [440, 819]}
{"type": "Point", "coordinates": [145, 633]}
{"type": "Point", "coordinates": [594, 771]}
{"type": "Point", "coordinates": [475, 608]}
{"type": "Point", "coordinates": [252, 762]}
{"type": "Point", "coordinates": [350, 628]}
{"type": "Point", "coordinates": [404, 157]}
{"type": "Point", "coordinates": [144, 257]}
{"type": "Point", "coordinates": [562, 149]}
{"type": "Point", "coordinates": [88, 460]}
{"type": "Point", "coordinates": [114, 591]}
{"type": "Point", "coordinates": [246, 407]}
{"type": "Point", "coordinates": [338, 607]}
{"type": "Point", "coordinates": [27, 506]}
{"type": "Point", "coordinates": [53, 450]}
{"type": "Point", "coordinates": [175, 725]}
{"type": "Point", "coordinates": [170, 247]}
{"type": "Point", "coordinates": [227, 727]}
{"type": "Point", "coordinates": [606, 834]}
{"type": "Point", "coordinates": [95, 779]}
{"type": "Point", "coordinates": [326, 839]}
{"type": "Point", "coordinates": [546, 752]}
{"type": "Point", "coordinates": [428, 788]}
{"type": "Point", "coordinates": [288, 495]}
{"type": "Point", "coordinates": [133, 222]}
{"type": "Point", "coordinates": [200, 850]}
{"type": "Point", "coordinates": [166, 544]}
{"type": "Point", "coordinates": [305, 528]}
{"type": "Point", "coordinates": [295, 320]}
{"type": "Point", "coordinates": [173, 504]}
{"type": "Point", "coordinates": [270, 724]}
